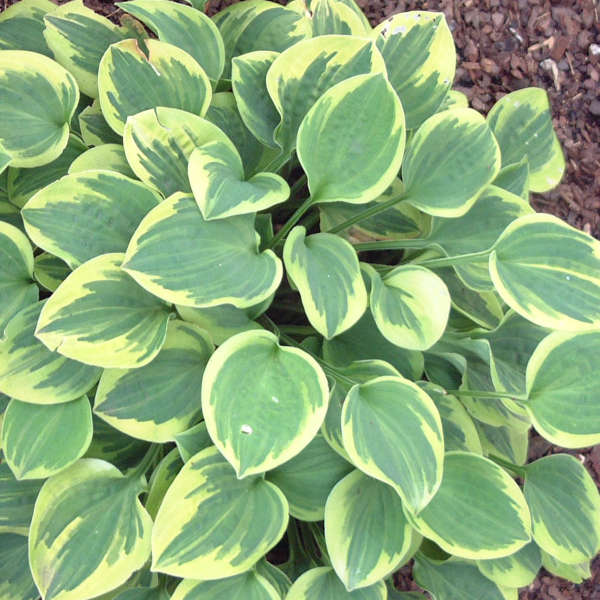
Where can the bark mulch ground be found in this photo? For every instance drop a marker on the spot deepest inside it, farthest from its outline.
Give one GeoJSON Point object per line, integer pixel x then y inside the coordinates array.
{"type": "Point", "coordinates": [505, 45]}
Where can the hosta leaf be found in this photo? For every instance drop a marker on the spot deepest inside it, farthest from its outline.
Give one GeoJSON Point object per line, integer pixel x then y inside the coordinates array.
{"type": "Point", "coordinates": [94, 128]}
{"type": "Point", "coordinates": [392, 431]}
{"type": "Point", "coordinates": [249, 84]}
{"type": "Point", "coordinates": [366, 532]}
{"type": "Point", "coordinates": [144, 593]}
{"type": "Point", "coordinates": [171, 78]}
{"type": "Point", "coordinates": [515, 178]}
{"type": "Point", "coordinates": [307, 479]}
{"type": "Point", "coordinates": [307, 70]}
{"type": "Point", "coordinates": [450, 160]}
{"type": "Point", "coordinates": [363, 341]}
{"type": "Point", "coordinates": [325, 269]}
{"type": "Point", "coordinates": [223, 266]}
{"type": "Point", "coordinates": [489, 517]}
{"type": "Point", "coordinates": [360, 371]}
{"type": "Point", "coordinates": [191, 441]}
{"type": "Point", "coordinates": [158, 144]}
{"type": "Point", "coordinates": [259, 25]}
{"type": "Point", "coordinates": [9, 213]}
{"type": "Point", "coordinates": [15, 577]}
{"type": "Point", "coordinates": [24, 183]}
{"type": "Point", "coordinates": [17, 289]}
{"type": "Point", "coordinates": [575, 573]}
{"type": "Point", "coordinates": [410, 305]}
{"type": "Point", "coordinates": [111, 157]}
{"type": "Point", "coordinates": [27, 8]}
{"type": "Point", "coordinates": [564, 503]}
{"type": "Point", "coordinates": [510, 442]}
{"type": "Point", "coordinates": [522, 124]}
{"type": "Point", "coordinates": [351, 142]}
{"type": "Point", "coordinates": [30, 372]}
{"type": "Point", "coordinates": [420, 57]}
{"type": "Point", "coordinates": [262, 403]}
{"type": "Point", "coordinates": [562, 379]}
{"type": "Point", "coordinates": [16, 501]}
{"type": "Point", "coordinates": [160, 481]}
{"type": "Point", "coordinates": [457, 580]}
{"type": "Point", "coordinates": [517, 570]}
{"type": "Point", "coordinates": [30, 433]}
{"type": "Point", "coordinates": [558, 290]}
{"type": "Point", "coordinates": [323, 583]}
{"type": "Point", "coordinates": [84, 215]}
{"type": "Point", "coordinates": [453, 99]}
{"type": "Point", "coordinates": [477, 230]}
{"type": "Point", "coordinates": [89, 532]}
{"type": "Point", "coordinates": [216, 176]}
{"type": "Point", "coordinates": [22, 28]}
{"type": "Point", "coordinates": [458, 427]}
{"type": "Point", "coordinates": [184, 27]}
{"type": "Point", "coordinates": [78, 319]}
{"type": "Point", "coordinates": [78, 37]}
{"type": "Point", "coordinates": [248, 518]}
{"type": "Point", "coordinates": [275, 576]}
{"type": "Point", "coordinates": [49, 271]}
{"type": "Point", "coordinates": [162, 398]}
{"type": "Point", "coordinates": [250, 586]}
{"type": "Point", "coordinates": [332, 16]}
{"type": "Point", "coordinates": [37, 100]}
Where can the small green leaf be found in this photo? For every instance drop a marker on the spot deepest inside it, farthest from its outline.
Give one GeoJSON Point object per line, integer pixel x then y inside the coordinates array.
{"type": "Point", "coordinates": [191, 441]}
{"type": "Point", "coordinates": [248, 518]}
{"type": "Point", "coordinates": [160, 481]}
{"type": "Point", "coordinates": [30, 433]}
{"type": "Point", "coordinates": [262, 403]}
{"type": "Point", "coordinates": [515, 178]}
{"type": "Point", "coordinates": [94, 128]}
{"type": "Point", "coordinates": [49, 271]}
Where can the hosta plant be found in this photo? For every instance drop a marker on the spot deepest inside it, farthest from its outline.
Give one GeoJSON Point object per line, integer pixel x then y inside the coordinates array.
{"type": "Point", "coordinates": [276, 315]}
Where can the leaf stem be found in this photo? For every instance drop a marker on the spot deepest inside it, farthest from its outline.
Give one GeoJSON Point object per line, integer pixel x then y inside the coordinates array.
{"type": "Point", "coordinates": [141, 468]}
{"type": "Point", "coordinates": [519, 471]}
{"type": "Point", "coordinates": [278, 237]}
{"type": "Point", "coordinates": [451, 261]}
{"type": "Point", "coordinates": [392, 245]}
{"type": "Point", "coordinates": [488, 394]}
{"type": "Point", "coordinates": [297, 185]}
{"type": "Point", "coordinates": [369, 212]}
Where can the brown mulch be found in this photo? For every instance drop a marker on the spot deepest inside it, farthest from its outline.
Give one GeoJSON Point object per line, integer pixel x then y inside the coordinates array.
{"type": "Point", "coordinates": [505, 45]}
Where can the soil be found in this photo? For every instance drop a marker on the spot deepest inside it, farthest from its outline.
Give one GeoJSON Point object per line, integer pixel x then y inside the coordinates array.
{"type": "Point", "coordinates": [505, 45]}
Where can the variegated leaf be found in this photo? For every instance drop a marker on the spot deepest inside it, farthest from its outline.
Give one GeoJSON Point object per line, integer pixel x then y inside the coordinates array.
{"type": "Point", "coordinates": [250, 586]}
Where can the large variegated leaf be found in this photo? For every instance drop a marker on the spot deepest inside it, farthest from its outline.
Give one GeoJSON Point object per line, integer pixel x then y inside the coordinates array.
{"type": "Point", "coordinates": [420, 57]}
{"type": "Point", "coordinates": [480, 515]}
{"type": "Point", "coordinates": [316, 64]}
{"type": "Point", "coordinates": [262, 403]}
{"type": "Point", "coordinates": [247, 516]}
{"type": "Point", "coordinates": [22, 184]}
{"type": "Point", "coordinates": [171, 78]}
{"type": "Point", "coordinates": [78, 319]}
{"type": "Point", "coordinates": [162, 398]}
{"type": "Point", "coordinates": [110, 156]}
{"type": "Point", "coordinates": [337, 17]}
{"type": "Point", "coordinates": [30, 372]}
{"type": "Point", "coordinates": [366, 532]}
{"type": "Point", "coordinates": [450, 160]}
{"type": "Point", "coordinates": [250, 586]}
{"type": "Point", "coordinates": [360, 371]}
{"type": "Point", "coordinates": [351, 142]}
{"type": "Point", "coordinates": [325, 269]}
{"type": "Point", "coordinates": [259, 25]}
{"type": "Point", "coordinates": [94, 128]}
{"type": "Point", "coordinates": [15, 577]}
{"type": "Point", "coordinates": [324, 584]}
{"type": "Point", "coordinates": [78, 37]}
{"type": "Point", "coordinates": [562, 382]}
{"type": "Point", "coordinates": [38, 97]}
{"type": "Point", "coordinates": [363, 341]}
{"type": "Point", "coordinates": [558, 290]}
{"type": "Point", "coordinates": [49, 271]}
{"type": "Point", "coordinates": [410, 305]}
{"type": "Point", "coordinates": [249, 84]}
{"type": "Point", "coordinates": [457, 580]}
{"type": "Point", "coordinates": [392, 431]}
{"type": "Point", "coordinates": [514, 571]}
{"type": "Point", "coordinates": [22, 26]}
{"type": "Point", "coordinates": [30, 434]}
{"type": "Point", "coordinates": [17, 289]}
{"type": "Point", "coordinates": [307, 479]}
{"type": "Point", "coordinates": [87, 214]}
{"type": "Point", "coordinates": [565, 504]}
{"type": "Point", "coordinates": [522, 124]}
{"type": "Point", "coordinates": [89, 531]}
{"type": "Point", "coordinates": [223, 266]}
{"type": "Point", "coordinates": [216, 176]}
{"type": "Point", "coordinates": [184, 27]}
{"type": "Point", "coordinates": [17, 499]}
{"type": "Point", "coordinates": [159, 142]}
